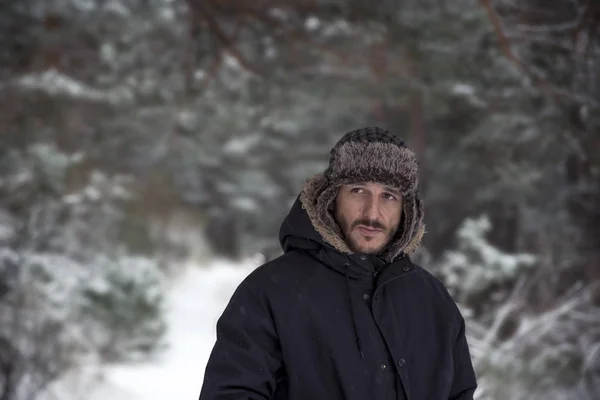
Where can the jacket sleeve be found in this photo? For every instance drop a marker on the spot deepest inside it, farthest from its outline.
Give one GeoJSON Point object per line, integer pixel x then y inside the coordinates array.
{"type": "Point", "coordinates": [465, 382]}
{"type": "Point", "coordinates": [246, 357]}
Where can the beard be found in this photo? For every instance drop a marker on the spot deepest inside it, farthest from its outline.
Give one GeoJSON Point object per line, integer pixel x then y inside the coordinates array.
{"type": "Point", "coordinates": [368, 244]}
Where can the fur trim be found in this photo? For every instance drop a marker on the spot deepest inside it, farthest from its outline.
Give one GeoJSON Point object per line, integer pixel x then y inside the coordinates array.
{"type": "Point", "coordinates": [317, 196]}
{"type": "Point", "coordinates": [375, 162]}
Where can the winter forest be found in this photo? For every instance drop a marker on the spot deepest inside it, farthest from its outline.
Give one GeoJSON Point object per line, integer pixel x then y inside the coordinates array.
{"type": "Point", "coordinates": [142, 139]}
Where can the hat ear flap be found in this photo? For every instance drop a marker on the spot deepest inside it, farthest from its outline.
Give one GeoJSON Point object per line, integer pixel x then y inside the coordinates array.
{"type": "Point", "coordinates": [414, 226]}
{"type": "Point", "coordinates": [410, 229]}
{"type": "Point", "coordinates": [331, 205]}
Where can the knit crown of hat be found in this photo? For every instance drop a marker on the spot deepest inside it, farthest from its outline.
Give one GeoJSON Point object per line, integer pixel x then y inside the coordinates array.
{"type": "Point", "coordinates": [370, 134]}
{"type": "Point", "coordinates": [373, 154]}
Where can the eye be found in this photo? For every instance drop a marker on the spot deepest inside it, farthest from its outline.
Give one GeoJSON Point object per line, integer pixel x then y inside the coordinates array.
{"type": "Point", "coordinates": [357, 190]}
{"type": "Point", "coordinates": [389, 196]}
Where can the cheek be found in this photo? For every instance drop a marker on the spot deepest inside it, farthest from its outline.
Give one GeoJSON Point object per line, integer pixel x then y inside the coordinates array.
{"type": "Point", "coordinates": [340, 217]}
{"type": "Point", "coordinates": [394, 216]}
{"type": "Point", "coordinates": [347, 211]}
{"type": "Point", "coordinates": [346, 221]}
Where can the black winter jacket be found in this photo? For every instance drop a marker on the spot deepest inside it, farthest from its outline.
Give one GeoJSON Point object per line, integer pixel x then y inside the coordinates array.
{"type": "Point", "coordinates": [318, 324]}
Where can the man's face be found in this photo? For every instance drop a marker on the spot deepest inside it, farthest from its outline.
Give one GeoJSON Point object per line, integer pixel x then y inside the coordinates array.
{"type": "Point", "coordinates": [368, 215]}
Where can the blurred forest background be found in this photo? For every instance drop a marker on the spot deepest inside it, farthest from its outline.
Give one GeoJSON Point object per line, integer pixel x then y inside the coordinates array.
{"type": "Point", "coordinates": [134, 134]}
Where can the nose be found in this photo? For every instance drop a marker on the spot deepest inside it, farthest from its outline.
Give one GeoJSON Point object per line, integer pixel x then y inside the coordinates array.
{"type": "Point", "coordinates": [371, 210]}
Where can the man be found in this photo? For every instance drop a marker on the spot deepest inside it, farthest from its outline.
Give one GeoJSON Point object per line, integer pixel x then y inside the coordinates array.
{"type": "Point", "coordinates": [344, 313]}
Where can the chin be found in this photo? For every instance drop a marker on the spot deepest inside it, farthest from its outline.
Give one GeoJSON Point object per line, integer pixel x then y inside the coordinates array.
{"type": "Point", "coordinates": [372, 251]}
{"type": "Point", "coordinates": [367, 248]}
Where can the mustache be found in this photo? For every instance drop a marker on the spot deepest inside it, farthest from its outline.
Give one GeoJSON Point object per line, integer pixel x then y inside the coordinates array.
{"type": "Point", "coordinates": [368, 223]}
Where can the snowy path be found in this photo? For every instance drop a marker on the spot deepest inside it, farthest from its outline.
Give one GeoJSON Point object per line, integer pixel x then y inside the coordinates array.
{"type": "Point", "coordinates": [195, 302]}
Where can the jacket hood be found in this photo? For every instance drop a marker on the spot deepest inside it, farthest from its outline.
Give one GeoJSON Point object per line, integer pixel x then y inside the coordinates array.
{"type": "Point", "coordinates": [298, 232]}
{"type": "Point", "coordinates": [310, 223]}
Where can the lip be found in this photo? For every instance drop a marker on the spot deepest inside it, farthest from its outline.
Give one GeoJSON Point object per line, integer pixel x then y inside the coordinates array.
{"type": "Point", "coordinates": [368, 231]}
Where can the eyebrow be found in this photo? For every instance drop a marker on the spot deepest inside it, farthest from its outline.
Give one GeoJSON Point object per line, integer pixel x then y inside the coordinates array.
{"type": "Point", "coordinates": [392, 190]}
{"type": "Point", "coordinates": [386, 188]}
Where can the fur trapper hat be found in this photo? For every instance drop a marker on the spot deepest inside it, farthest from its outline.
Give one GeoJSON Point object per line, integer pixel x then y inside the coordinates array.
{"type": "Point", "coordinates": [369, 154]}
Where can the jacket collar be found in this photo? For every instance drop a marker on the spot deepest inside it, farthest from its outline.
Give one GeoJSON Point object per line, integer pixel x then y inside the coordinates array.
{"type": "Point", "coordinates": [297, 232]}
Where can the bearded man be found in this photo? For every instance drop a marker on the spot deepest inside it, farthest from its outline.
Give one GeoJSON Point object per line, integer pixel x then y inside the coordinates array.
{"type": "Point", "coordinates": [344, 313]}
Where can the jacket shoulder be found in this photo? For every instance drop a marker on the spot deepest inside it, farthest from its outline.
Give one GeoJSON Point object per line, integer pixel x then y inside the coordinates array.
{"type": "Point", "coordinates": [438, 289]}
{"type": "Point", "coordinates": [289, 268]}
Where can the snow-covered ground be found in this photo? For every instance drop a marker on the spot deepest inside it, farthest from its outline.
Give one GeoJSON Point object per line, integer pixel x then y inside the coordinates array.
{"type": "Point", "coordinates": [195, 300]}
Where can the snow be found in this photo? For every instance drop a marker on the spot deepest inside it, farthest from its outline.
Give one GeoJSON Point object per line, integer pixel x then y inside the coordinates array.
{"type": "Point", "coordinates": [468, 92]}
{"type": "Point", "coordinates": [245, 203]}
{"type": "Point", "coordinates": [463, 88]}
{"type": "Point", "coordinates": [242, 145]}
{"type": "Point", "coordinates": [195, 301]}
{"type": "Point", "coordinates": [312, 23]}
{"type": "Point", "coordinates": [55, 83]}
{"type": "Point", "coordinates": [476, 264]}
